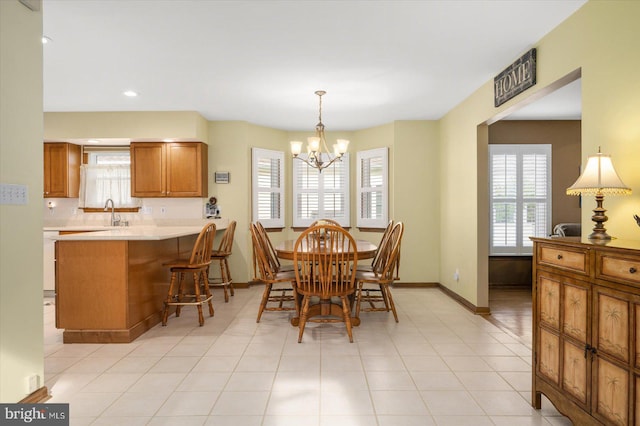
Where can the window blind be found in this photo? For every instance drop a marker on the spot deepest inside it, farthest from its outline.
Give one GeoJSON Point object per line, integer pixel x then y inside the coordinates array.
{"type": "Point", "coordinates": [372, 188]}
{"type": "Point", "coordinates": [268, 187]}
{"type": "Point", "coordinates": [323, 194]}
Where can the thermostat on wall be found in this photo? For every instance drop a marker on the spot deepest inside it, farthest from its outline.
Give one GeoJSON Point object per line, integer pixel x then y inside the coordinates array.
{"type": "Point", "coordinates": [221, 177]}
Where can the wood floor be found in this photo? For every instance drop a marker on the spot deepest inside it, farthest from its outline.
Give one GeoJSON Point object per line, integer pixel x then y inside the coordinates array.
{"type": "Point", "coordinates": [511, 310]}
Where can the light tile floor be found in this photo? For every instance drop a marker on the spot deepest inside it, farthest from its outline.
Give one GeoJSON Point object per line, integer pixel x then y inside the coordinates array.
{"type": "Point", "coordinates": [440, 365]}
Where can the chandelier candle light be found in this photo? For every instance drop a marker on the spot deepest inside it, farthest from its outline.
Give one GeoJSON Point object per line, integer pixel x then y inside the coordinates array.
{"type": "Point", "coordinates": [319, 155]}
{"type": "Point", "coordinates": [599, 178]}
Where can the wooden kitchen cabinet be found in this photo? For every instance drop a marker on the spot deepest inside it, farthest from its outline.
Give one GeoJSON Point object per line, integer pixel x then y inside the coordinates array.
{"type": "Point", "coordinates": [61, 170]}
{"type": "Point", "coordinates": [177, 169]}
{"type": "Point", "coordinates": [586, 316]}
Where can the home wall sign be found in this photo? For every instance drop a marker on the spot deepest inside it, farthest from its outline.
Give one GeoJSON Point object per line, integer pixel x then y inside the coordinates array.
{"type": "Point", "coordinates": [516, 78]}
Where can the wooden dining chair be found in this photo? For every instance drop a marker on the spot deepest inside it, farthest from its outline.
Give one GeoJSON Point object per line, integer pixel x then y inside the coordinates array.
{"type": "Point", "coordinates": [198, 266]}
{"type": "Point", "coordinates": [324, 257]}
{"type": "Point", "coordinates": [324, 222]}
{"type": "Point", "coordinates": [380, 252]}
{"type": "Point", "coordinates": [374, 286]}
{"type": "Point", "coordinates": [221, 255]}
{"type": "Point", "coordinates": [270, 252]}
{"type": "Point", "coordinates": [278, 285]}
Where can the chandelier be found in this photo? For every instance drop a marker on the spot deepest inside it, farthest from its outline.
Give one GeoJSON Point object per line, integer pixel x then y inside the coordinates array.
{"type": "Point", "coordinates": [319, 155]}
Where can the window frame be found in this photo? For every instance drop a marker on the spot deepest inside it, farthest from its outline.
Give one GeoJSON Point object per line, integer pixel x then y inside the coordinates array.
{"type": "Point", "coordinates": [364, 222]}
{"type": "Point", "coordinates": [91, 156]}
{"type": "Point", "coordinates": [519, 150]}
{"type": "Point", "coordinates": [258, 154]}
{"type": "Point", "coordinates": [345, 190]}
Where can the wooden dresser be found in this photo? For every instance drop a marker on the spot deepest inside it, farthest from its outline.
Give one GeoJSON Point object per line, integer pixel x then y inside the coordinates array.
{"type": "Point", "coordinates": [586, 329]}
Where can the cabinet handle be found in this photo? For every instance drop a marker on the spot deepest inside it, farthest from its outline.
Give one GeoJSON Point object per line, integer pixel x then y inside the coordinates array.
{"type": "Point", "coordinates": [559, 256]}
{"type": "Point", "coordinates": [633, 270]}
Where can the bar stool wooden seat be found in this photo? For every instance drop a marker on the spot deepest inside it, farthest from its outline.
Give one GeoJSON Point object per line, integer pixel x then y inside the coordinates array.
{"type": "Point", "coordinates": [197, 265]}
{"type": "Point", "coordinates": [221, 256]}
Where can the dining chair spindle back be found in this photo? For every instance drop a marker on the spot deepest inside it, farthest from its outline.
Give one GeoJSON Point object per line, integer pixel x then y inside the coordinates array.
{"type": "Point", "coordinates": [324, 222]}
{"type": "Point", "coordinates": [324, 258]}
{"type": "Point", "coordinates": [278, 284]}
{"type": "Point", "coordinates": [373, 286]}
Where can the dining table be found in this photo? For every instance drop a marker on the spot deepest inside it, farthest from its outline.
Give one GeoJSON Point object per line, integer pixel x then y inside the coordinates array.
{"type": "Point", "coordinates": [364, 249]}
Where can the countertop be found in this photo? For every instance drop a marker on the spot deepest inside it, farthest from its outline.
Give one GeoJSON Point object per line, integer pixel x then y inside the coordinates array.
{"type": "Point", "coordinates": [133, 233]}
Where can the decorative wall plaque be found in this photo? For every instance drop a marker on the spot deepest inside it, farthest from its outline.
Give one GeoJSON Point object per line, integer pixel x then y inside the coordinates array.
{"type": "Point", "coordinates": [515, 79]}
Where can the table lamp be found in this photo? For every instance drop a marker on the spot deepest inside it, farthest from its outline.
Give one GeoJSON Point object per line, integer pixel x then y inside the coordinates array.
{"type": "Point", "coordinates": [599, 178]}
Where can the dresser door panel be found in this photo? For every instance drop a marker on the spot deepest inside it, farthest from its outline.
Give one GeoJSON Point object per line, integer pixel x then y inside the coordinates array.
{"type": "Point", "coordinates": [549, 297]}
{"type": "Point", "coordinates": [611, 393]}
{"type": "Point", "coordinates": [612, 325]}
{"type": "Point", "coordinates": [575, 373]}
{"type": "Point", "coordinates": [575, 304]}
{"type": "Point", "coordinates": [549, 365]}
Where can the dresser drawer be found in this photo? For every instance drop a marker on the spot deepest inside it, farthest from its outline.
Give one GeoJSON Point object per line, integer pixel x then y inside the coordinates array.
{"type": "Point", "coordinates": [573, 259]}
{"type": "Point", "coordinates": [620, 268]}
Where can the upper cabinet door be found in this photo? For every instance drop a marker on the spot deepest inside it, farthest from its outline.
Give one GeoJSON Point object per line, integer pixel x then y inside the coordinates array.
{"type": "Point", "coordinates": [148, 169]}
{"type": "Point", "coordinates": [177, 169]}
{"type": "Point", "coordinates": [186, 169]}
{"type": "Point", "coordinates": [61, 170]}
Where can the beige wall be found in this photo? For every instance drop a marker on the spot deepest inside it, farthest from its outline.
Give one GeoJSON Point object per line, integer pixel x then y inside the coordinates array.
{"type": "Point", "coordinates": [599, 39]}
{"type": "Point", "coordinates": [230, 151]}
{"type": "Point", "coordinates": [415, 198]}
{"type": "Point", "coordinates": [564, 137]}
{"type": "Point", "coordinates": [131, 124]}
{"type": "Point", "coordinates": [21, 329]}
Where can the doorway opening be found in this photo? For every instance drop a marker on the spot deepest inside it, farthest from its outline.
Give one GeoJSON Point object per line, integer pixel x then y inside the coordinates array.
{"type": "Point", "coordinates": [550, 116]}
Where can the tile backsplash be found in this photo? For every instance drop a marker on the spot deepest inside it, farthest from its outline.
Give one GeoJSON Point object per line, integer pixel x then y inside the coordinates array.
{"type": "Point", "coordinates": [153, 211]}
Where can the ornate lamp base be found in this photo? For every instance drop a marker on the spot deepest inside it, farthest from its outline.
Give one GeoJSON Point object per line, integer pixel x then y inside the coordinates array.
{"type": "Point", "coordinates": [599, 231]}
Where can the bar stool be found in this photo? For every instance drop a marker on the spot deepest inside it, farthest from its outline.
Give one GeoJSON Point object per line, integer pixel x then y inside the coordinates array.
{"type": "Point", "coordinates": [198, 265]}
{"type": "Point", "coordinates": [221, 255]}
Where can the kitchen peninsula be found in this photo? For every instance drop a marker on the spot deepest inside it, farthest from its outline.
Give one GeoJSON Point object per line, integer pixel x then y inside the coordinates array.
{"type": "Point", "coordinates": [111, 284]}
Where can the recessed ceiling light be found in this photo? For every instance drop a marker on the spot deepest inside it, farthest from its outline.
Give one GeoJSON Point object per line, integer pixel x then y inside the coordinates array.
{"type": "Point", "coordinates": [130, 93]}
{"type": "Point", "coordinates": [46, 39]}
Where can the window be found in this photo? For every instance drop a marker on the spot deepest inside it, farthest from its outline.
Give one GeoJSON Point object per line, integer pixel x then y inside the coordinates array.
{"type": "Point", "coordinates": [520, 197]}
{"type": "Point", "coordinates": [373, 188]}
{"type": "Point", "coordinates": [320, 195]}
{"type": "Point", "coordinates": [106, 175]}
{"type": "Point", "coordinates": [267, 183]}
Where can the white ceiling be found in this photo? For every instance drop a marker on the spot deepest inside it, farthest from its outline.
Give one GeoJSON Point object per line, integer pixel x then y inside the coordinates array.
{"type": "Point", "coordinates": [262, 61]}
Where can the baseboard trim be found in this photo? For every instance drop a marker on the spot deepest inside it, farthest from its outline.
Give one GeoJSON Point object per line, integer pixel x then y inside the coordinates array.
{"type": "Point", "coordinates": [242, 285]}
{"type": "Point", "coordinates": [40, 395]}
{"type": "Point", "coordinates": [416, 285]}
{"type": "Point", "coordinates": [478, 310]}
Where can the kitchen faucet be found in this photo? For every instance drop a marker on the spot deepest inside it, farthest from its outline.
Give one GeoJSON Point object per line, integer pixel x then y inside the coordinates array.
{"type": "Point", "coordinates": [114, 221]}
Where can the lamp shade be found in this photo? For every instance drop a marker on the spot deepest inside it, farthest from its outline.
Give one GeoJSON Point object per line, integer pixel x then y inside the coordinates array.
{"type": "Point", "coordinates": [599, 176]}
